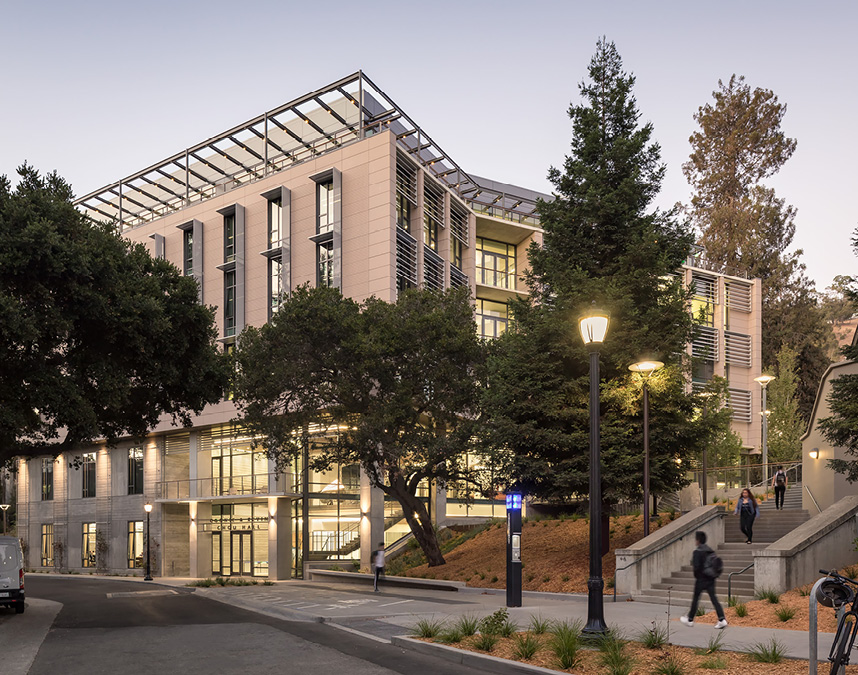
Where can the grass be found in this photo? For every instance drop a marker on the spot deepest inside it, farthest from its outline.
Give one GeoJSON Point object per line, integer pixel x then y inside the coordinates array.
{"type": "Point", "coordinates": [467, 625]}
{"type": "Point", "coordinates": [741, 610]}
{"type": "Point", "coordinates": [851, 571]}
{"type": "Point", "coordinates": [450, 636]}
{"type": "Point", "coordinates": [767, 652]}
{"type": "Point", "coordinates": [486, 642]}
{"type": "Point", "coordinates": [507, 629]}
{"type": "Point", "coordinates": [768, 594]}
{"type": "Point", "coordinates": [566, 643]}
{"type": "Point", "coordinates": [701, 610]}
{"type": "Point", "coordinates": [672, 665]}
{"type": "Point", "coordinates": [785, 613]}
{"type": "Point", "coordinates": [427, 628]}
{"type": "Point", "coordinates": [804, 591]}
{"type": "Point", "coordinates": [495, 623]}
{"type": "Point", "coordinates": [732, 601]}
{"type": "Point", "coordinates": [615, 657]}
{"type": "Point", "coordinates": [714, 663]}
{"type": "Point", "coordinates": [715, 643]}
{"type": "Point", "coordinates": [654, 637]}
{"type": "Point", "coordinates": [525, 646]}
{"type": "Point", "coordinates": [539, 626]}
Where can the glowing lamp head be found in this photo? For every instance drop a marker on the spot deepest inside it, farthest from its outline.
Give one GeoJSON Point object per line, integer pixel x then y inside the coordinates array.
{"type": "Point", "coordinates": [513, 502]}
{"type": "Point", "coordinates": [763, 380]}
{"type": "Point", "coordinates": [594, 326]}
{"type": "Point", "coordinates": [646, 368]}
{"type": "Point", "coordinates": [147, 507]}
{"type": "Point", "coordinates": [814, 454]}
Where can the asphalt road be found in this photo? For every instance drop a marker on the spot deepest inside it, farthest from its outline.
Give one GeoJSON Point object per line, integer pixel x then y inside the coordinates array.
{"type": "Point", "coordinates": [98, 626]}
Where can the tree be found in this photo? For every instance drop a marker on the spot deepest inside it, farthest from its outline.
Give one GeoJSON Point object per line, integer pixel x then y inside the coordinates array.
{"type": "Point", "coordinates": [601, 243]}
{"type": "Point", "coordinates": [745, 226]}
{"type": "Point", "coordinates": [786, 425]}
{"type": "Point", "coordinates": [98, 339]}
{"type": "Point", "coordinates": [391, 386]}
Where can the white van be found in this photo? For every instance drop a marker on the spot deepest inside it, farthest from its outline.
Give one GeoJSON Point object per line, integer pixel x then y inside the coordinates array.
{"type": "Point", "coordinates": [11, 574]}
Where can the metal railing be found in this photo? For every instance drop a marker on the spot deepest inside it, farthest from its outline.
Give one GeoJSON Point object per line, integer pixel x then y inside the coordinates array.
{"type": "Point", "coordinates": [225, 486]}
{"type": "Point", "coordinates": [812, 498]}
{"type": "Point", "coordinates": [491, 277]}
{"type": "Point", "coordinates": [730, 580]}
{"type": "Point", "coordinates": [753, 476]}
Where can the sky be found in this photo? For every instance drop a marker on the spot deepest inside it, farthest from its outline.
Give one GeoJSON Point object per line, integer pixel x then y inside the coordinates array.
{"type": "Point", "coordinates": [98, 90]}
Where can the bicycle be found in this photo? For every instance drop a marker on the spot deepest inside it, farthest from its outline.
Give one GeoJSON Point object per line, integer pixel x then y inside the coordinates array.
{"type": "Point", "coordinates": [836, 592]}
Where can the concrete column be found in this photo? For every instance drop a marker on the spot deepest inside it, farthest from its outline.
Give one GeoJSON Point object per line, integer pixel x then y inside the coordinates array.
{"type": "Point", "coordinates": [438, 504]}
{"type": "Point", "coordinates": [372, 519]}
{"type": "Point", "coordinates": [279, 538]}
{"type": "Point", "coordinates": [200, 542]}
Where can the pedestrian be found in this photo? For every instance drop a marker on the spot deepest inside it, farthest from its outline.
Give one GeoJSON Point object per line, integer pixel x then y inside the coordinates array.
{"type": "Point", "coordinates": [779, 483]}
{"type": "Point", "coordinates": [748, 511]}
{"type": "Point", "coordinates": [378, 564]}
{"type": "Point", "coordinates": [706, 569]}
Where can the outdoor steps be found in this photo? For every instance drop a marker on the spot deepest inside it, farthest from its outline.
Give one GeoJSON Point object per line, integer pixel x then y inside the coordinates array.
{"type": "Point", "coordinates": [736, 554]}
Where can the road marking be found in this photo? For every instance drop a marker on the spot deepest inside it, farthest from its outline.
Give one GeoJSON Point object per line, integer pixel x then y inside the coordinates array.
{"type": "Point", "coordinates": [395, 603]}
{"type": "Point", "coordinates": [307, 607]}
{"type": "Point", "coordinates": [134, 594]}
{"type": "Point", "coordinates": [360, 633]}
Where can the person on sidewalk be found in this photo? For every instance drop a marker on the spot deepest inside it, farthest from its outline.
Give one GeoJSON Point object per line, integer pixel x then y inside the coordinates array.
{"type": "Point", "coordinates": [779, 483]}
{"type": "Point", "coordinates": [377, 564]}
{"type": "Point", "coordinates": [703, 581]}
{"type": "Point", "coordinates": [748, 512]}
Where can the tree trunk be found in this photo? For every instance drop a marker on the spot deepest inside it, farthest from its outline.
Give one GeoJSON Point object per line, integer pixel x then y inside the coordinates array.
{"type": "Point", "coordinates": [418, 520]}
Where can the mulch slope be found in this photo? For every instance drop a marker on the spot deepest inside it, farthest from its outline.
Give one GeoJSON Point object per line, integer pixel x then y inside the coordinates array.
{"type": "Point", "coordinates": [763, 614]}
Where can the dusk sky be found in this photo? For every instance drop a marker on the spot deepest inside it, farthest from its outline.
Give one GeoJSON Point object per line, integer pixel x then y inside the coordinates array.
{"type": "Point", "coordinates": [99, 90]}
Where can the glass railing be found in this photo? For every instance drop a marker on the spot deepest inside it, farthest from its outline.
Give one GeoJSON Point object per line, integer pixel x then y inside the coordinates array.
{"type": "Point", "coordinates": [489, 277]}
{"type": "Point", "coordinates": [226, 486]}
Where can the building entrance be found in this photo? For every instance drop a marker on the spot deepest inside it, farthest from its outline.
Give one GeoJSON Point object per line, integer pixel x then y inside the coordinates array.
{"type": "Point", "coordinates": [241, 553]}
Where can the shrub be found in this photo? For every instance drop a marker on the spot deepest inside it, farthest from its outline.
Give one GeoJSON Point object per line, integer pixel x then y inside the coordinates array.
{"type": "Point", "coordinates": [700, 610]}
{"type": "Point", "coordinates": [508, 629]}
{"type": "Point", "coordinates": [672, 665]}
{"type": "Point", "coordinates": [716, 642]}
{"type": "Point", "coordinates": [564, 578]}
{"type": "Point", "coordinates": [609, 582]}
{"type": "Point", "coordinates": [785, 613]}
{"type": "Point", "coordinates": [538, 625]}
{"type": "Point", "coordinates": [203, 583]}
{"type": "Point", "coordinates": [804, 591]}
{"type": "Point", "coordinates": [741, 610]}
{"type": "Point", "coordinates": [714, 663]}
{"type": "Point", "coordinates": [467, 625]}
{"type": "Point", "coordinates": [427, 628]}
{"type": "Point", "coordinates": [267, 583]}
{"type": "Point", "coordinates": [768, 594]}
{"type": "Point", "coordinates": [732, 601]}
{"type": "Point", "coordinates": [494, 579]}
{"type": "Point", "coordinates": [654, 637]}
{"type": "Point", "coordinates": [525, 646]}
{"type": "Point", "coordinates": [486, 642]}
{"type": "Point", "coordinates": [530, 577]}
{"type": "Point", "coordinates": [771, 652]}
{"type": "Point", "coordinates": [851, 571]}
{"type": "Point", "coordinates": [566, 643]}
{"type": "Point", "coordinates": [546, 579]}
{"type": "Point", "coordinates": [615, 657]}
{"type": "Point", "coordinates": [494, 623]}
{"type": "Point", "coordinates": [450, 636]}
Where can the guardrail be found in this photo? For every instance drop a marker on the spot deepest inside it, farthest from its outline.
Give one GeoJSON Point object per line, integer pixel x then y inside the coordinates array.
{"type": "Point", "coordinates": [225, 486]}
{"type": "Point", "coordinates": [730, 580]}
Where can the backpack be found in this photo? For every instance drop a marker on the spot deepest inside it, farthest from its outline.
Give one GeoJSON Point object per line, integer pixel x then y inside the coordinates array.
{"type": "Point", "coordinates": [780, 479]}
{"type": "Point", "coordinates": [713, 566]}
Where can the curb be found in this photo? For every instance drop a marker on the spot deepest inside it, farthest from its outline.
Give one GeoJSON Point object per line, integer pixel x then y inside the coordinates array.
{"type": "Point", "coordinates": [492, 664]}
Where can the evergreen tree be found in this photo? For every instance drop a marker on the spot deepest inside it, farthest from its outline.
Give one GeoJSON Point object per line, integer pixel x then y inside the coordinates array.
{"type": "Point", "coordinates": [786, 425]}
{"type": "Point", "coordinates": [745, 226]}
{"type": "Point", "coordinates": [603, 243]}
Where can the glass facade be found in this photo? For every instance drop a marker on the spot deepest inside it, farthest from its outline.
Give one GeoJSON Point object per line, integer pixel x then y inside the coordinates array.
{"type": "Point", "coordinates": [88, 475]}
{"type": "Point", "coordinates": [236, 467]}
{"type": "Point", "coordinates": [229, 238]}
{"type": "Point", "coordinates": [325, 252]}
{"type": "Point", "coordinates": [403, 213]}
{"type": "Point", "coordinates": [135, 471]}
{"type": "Point", "coordinates": [229, 303]}
{"type": "Point", "coordinates": [135, 543]}
{"type": "Point", "coordinates": [275, 223]}
{"type": "Point", "coordinates": [325, 207]}
{"type": "Point", "coordinates": [495, 263]}
{"type": "Point", "coordinates": [87, 546]}
{"type": "Point", "coordinates": [47, 546]}
{"type": "Point", "coordinates": [47, 479]}
{"type": "Point", "coordinates": [240, 539]}
{"type": "Point", "coordinates": [492, 318]}
{"type": "Point", "coordinates": [188, 252]}
{"type": "Point", "coordinates": [275, 285]}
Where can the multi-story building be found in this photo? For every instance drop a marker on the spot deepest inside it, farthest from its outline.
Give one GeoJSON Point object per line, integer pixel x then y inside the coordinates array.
{"type": "Point", "coordinates": [336, 188]}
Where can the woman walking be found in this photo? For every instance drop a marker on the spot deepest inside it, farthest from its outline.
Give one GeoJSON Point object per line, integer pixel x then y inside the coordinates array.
{"type": "Point", "coordinates": [748, 511]}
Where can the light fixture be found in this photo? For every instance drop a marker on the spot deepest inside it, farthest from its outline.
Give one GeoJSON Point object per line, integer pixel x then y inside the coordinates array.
{"type": "Point", "coordinates": [593, 326]}
{"type": "Point", "coordinates": [814, 454]}
{"type": "Point", "coordinates": [147, 507]}
{"type": "Point", "coordinates": [646, 368]}
{"type": "Point", "coordinates": [764, 379]}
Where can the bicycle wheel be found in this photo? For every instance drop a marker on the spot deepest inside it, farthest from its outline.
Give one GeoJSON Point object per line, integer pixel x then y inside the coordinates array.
{"type": "Point", "coordinates": [843, 640]}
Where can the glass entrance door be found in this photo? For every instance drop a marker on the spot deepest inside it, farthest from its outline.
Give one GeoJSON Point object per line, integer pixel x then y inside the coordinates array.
{"type": "Point", "coordinates": [241, 550]}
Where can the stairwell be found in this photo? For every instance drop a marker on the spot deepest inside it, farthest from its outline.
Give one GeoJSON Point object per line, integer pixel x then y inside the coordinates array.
{"type": "Point", "coordinates": [736, 554]}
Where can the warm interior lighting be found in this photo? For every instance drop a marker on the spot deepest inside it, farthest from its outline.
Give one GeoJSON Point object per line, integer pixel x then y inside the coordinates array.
{"type": "Point", "coordinates": [814, 454]}
{"type": "Point", "coordinates": [147, 507]}
{"type": "Point", "coordinates": [646, 368]}
{"type": "Point", "coordinates": [764, 379]}
{"type": "Point", "coordinates": [593, 326]}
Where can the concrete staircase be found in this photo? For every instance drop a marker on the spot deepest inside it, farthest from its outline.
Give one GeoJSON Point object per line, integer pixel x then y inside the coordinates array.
{"type": "Point", "coordinates": [736, 554]}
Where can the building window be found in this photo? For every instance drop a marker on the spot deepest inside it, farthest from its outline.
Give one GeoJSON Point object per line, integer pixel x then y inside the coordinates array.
{"type": "Point", "coordinates": [433, 214]}
{"type": "Point", "coordinates": [87, 546]}
{"type": "Point", "coordinates": [492, 318]}
{"type": "Point", "coordinates": [325, 206]}
{"type": "Point", "coordinates": [229, 303]}
{"type": "Point", "coordinates": [325, 253]}
{"type": "Point", "coordinates": [229, 238]}
{"type": "Point", "coordinates": [135, 471]}
{"type": "Point", "coordinates": [456, 252]}
{"type": "Point", "coordinates": [88, 475]}
{"type": "Point", "coordinates": [47, 559]}
{"type": "Point", "coordinates": [47, 479]}
{"type": "Point", "coordinates": [188, 252]}
{"type": "Point", "coordinates": [403, 212]}
{"type": "Point", "coordinates": [495, 263]}
{"type": "Point", "coordinates": [275, 285]}
{"type": "Point", "coordinates": [275, 223]}
{"type": "Point", "coordinates": [135, 543]}
{"type": "Point", "coordinates": [430, 233]}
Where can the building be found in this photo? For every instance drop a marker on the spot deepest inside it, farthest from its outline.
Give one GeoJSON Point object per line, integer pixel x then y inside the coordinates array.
{"type": "Point", "coordinates": [339, 188]}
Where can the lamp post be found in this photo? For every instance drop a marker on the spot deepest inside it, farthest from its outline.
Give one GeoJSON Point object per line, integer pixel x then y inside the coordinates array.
{"type": "Point", "coordinates": [645, 369]}
{"type": "Point", "coordinates": [5, 508]}
{"type": "Point", "coordinates": [148, 508]}
{"type": "Point", "coordinates": [593, 327]}
{"type": "Point", "coordinates": [763, 381]}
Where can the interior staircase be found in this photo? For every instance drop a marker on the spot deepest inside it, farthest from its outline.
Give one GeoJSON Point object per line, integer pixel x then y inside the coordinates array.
{"type": "Point", "coordinates": [736, 554]}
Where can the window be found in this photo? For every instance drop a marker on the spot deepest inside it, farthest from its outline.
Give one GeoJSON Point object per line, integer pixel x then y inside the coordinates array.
{"type": "Point", "coordinates": [325, 253]}
{"type": "Point", "coordinates": [88, 475]}
{"type": "Point", "coordinates": [456, 252]}
{"type": "Point", "coordinates": [87, 546]}
{"type": "Point", "coordinates": [47, 559]}
{"type": "Point", "coordinates": [188, 252]}
{"type": "Point", "coordinates": [403, 212]}
{"type": "Point", "coordinates": [229, 237]}
{"type": "Point", "coordinates": [495, 263]}
{"type": "Point", "coordinates": [47, 479]}
{"type": "Point", "coordinates": [430, 232]}
{"type": "Point", "coordinates": [229, 303]}
{"type": "Point", "coordinates": [275, 285]}
{"type": "Point", "coordinates": [275, 222]}
{"type": "Point", "coordinates": [325, 206]}
{"type": "Point", "coordinates": [135, 471]}
{"type": "Point", "coordinates": [135, 543]}
{"type": "Point", "coordinates": [492, 318]}
{"type": "Point", "coordinates": [433, 213]}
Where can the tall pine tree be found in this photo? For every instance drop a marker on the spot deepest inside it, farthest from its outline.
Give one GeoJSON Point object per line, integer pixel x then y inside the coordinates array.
{"type": "Point", "coordinates": [602, 243]}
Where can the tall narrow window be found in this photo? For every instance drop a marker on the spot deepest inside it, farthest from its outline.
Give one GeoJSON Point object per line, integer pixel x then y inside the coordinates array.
{"type": "Point", "coordinates": [88, 475]}
{"type": "Point", "coordinates": [495, 263]}
{"type": "Point", "coordinates": [135, 471]}
{"type": "Point", "coordinates": [47, 479]}
{"type": "Point", "coordinates": [275, 285]}
{"type": "Point", "coordinates": [47, 557]}
{"type": "Point", "coordinates": [229, 237]}
{"type": "Point", "coordinates": [325, 252]}
{"type": "Point", "coordinates": [433, 213]}
{"type": "Point", "coordinates": [135, 543]}
{"type": "Point", "coordinates": [325, 206]}
{"type": "Point", "coordinates": [275, 222]}
{"type": "Point", "coordinates": [456, 252]}
{"type": "Point", "coordinates": [87, 546]}
{"type": "Point", "coordinates": [188, 252]}
{"type": "Point", "coordinates": [229, 303]}
{"type": "Point", "coordinates": [403, 212]}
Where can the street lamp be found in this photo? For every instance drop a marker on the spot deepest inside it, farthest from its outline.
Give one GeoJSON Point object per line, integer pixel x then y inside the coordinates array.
{"type": "Point", "coordinates": [764, 380]}
{"type": "Point", "coordinates": [147, 507]}
{"type": "Point", "coordinates": [5, 508]}
{"type": "Point", "coordinates": [645, 369]}
{"type": "Point", "coordinates": [594, 326]}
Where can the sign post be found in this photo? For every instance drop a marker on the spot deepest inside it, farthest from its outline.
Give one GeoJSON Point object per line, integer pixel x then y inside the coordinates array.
{"type": "Point", "coordinates": [513, 550]}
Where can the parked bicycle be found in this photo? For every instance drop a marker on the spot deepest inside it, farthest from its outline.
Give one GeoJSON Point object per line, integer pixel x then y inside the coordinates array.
{"type": "Point", "coordinates": [837, 591]}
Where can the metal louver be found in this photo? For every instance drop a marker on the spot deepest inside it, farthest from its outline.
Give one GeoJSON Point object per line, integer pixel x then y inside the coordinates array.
{"type": "Point", "coordinates": [739, 401]}
{"type": "Point", "coordinates": [433, 269]}
{"type": "Point", "coordinates": [705, 343]}
{"type": "Point", "coordinates": [459, 222]}
{"type": "Point", "coordinates": [433, 202]}
{"type": "Point", "coordinates": [406, 179]}
{"type": "Point", "coordinates": [705, 287]}
{"type": "Point", "coordinates": [406, 258]}
{"type": "Point", "coordinates": [457, 277]}
{"type": "Point", "coordinates": [738, 296]}
{"type": "Point", "coordinates": [737, 349]}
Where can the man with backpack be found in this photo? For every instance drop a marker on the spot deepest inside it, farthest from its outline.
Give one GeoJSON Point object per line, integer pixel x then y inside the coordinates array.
{"type": "Point", "coordinates": [707, 567]}
{"type": "Point", "coordinates": [779, 483]}
{"type": "Point", "coordinates": [377, 563]}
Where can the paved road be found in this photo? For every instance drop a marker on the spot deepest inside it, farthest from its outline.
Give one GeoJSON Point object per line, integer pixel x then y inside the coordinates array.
{"type": "Point", "coordinates": [104, 626]}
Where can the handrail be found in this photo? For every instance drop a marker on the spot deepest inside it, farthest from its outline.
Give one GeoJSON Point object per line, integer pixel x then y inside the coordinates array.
{"type": "Point", "coordinates": [810, 494]}
{"type": "Point", "coordinates": [730, 580]}
{"type": "Point", "coordinates": [719, 514]}
{"type": "Point", "coordinates": [767, 482]}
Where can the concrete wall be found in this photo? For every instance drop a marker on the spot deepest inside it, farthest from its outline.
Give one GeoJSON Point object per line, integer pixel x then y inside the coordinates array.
{"type": "Point", "coordinates": [826, 541]}
{"type": "Point", "coordinates": [645, 566]}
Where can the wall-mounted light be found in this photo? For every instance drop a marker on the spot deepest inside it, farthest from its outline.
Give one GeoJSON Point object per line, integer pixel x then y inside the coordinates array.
{"type": "Point", "coordinates": [814, 454]}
